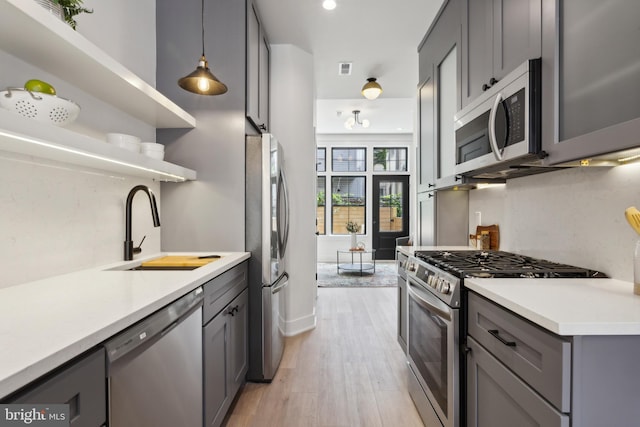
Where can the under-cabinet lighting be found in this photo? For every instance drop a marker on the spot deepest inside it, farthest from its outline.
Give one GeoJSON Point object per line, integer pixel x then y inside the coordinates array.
{"type": "Point", "coordinates": [480, 186]}
{"type": "Point", "coordinates": [90, 155]}
{"type": "Point", "coordinates": [629, 158]}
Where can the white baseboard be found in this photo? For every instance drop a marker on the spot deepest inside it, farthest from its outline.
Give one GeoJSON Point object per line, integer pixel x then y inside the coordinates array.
{"type": "Point", "coordinates": [300, 325]}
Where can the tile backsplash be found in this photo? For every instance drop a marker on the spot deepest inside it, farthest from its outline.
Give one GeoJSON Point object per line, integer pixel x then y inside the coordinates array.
{"type": "Point", "coordinates": [574, 216]}
{"type": "Point", "coordinates": [57, 218]}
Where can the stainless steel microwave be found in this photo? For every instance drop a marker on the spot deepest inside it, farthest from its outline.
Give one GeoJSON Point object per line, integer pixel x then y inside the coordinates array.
{"type": "Point", "coordinates": [498, 133]}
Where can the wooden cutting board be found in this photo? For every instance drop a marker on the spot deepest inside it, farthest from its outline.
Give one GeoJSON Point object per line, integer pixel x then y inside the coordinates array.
{"type": "Point", "coordinates": [178, 261]}
{"type": "Point", "coordinates": [494, 235]}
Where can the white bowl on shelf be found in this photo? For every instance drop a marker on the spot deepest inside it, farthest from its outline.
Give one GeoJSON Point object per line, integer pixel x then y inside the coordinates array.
{"type": "Point", "coordinates": [122, 140]}
{"type": "Point", "coordinates": [153, 150]}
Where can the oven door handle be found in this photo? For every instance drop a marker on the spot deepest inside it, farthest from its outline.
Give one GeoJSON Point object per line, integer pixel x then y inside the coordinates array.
{"type": "Point", "coordinates": [429, 302]}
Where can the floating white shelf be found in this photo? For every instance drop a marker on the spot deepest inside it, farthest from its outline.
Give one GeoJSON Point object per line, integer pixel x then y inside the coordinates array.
{"type": "Point", "coordinates": [29, 137]}
{"type": "Point", "coordinates": [30, 32]}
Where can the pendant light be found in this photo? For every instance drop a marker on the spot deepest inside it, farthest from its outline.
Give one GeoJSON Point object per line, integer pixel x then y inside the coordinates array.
{"type": "Point", "coordinates": [202, 81]}
{"type": "Point", "coordinates": [371, 89]}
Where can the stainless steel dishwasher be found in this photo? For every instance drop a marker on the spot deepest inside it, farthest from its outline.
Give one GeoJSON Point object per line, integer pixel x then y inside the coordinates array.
{"type": "Point", "coordinates": [154, 368]}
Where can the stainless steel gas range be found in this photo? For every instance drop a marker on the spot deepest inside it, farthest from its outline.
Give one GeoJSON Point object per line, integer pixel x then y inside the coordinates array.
{"type": "Point", "coordinates": [436, 327]}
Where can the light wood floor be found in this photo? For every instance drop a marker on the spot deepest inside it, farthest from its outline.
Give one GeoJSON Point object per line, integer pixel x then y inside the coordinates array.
{"type": "Point", "coordinates": [349, 371]}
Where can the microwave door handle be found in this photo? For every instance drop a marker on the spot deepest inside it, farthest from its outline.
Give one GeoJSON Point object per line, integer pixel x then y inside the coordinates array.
{"type": "Point", "coordinates": [497, 152]}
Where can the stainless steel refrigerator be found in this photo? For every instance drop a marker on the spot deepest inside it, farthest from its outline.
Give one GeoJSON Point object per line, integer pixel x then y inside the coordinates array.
{"type": "Point", "coordinates": [267, 229]}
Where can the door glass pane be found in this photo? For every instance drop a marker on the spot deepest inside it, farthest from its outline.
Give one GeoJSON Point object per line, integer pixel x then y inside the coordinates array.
{"type": "Point", "coordinates": [348, 159]}
{"type": "Point", "coordinates": [321, 161]}
{"type": "Point", "coordinates": [348, 200]}
{"type": "Point", "coordinates": [390, 215]}
{"type": "Point", "coordinates": [390, 159]}
{"type": "Point", "coordinates": [320, 204]}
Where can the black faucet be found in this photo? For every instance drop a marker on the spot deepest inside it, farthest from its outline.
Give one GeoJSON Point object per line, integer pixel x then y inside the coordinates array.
{"type": "Point", "coordinates": [128, 243]}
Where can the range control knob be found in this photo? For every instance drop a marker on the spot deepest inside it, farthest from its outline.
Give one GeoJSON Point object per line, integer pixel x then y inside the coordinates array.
{"type": "Point", "coordinates": [445, 287]}
{"type": "Point", "coordinates": [411, 267]}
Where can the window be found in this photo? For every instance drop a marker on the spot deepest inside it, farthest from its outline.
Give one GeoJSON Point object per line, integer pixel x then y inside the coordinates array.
{"type": "Point", "coordinates": [348, 199]}
{"type": "Point", "coordinates": [321, 209]}
{"type": "Point", "coordinates": [390, 159]}
{"type": "Point", "coordinates": [348, 159]}
{"type": "Point", "coordinates": [321, 160]}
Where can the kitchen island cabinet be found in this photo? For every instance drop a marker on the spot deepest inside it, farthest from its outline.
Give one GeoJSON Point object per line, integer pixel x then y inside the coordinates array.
{"type": "Point", "coordinates": [559, 351]}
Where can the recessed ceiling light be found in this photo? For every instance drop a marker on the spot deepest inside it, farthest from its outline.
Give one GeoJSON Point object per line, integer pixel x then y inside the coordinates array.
{"type": "Point", "coordinates": [329, 4]}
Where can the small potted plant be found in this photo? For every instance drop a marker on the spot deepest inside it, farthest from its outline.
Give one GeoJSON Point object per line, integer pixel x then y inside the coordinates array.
{"type": "Point", "coordinates": [71, 8]}
{"type": "Point", "coordinates": [353, 228]}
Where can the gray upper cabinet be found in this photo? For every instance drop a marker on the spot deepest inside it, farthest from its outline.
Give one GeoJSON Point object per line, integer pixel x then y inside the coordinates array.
{"type": "Point", "coordinates": [257, 71]}
{"type": "Point", "coordinates": [439, 98]}
{"type": "Point", "coordinates": [592, 55]}
{"type": "Point", "coordinates": [426, 143]}
{"type": "Point", "coordinates": [497, 36]}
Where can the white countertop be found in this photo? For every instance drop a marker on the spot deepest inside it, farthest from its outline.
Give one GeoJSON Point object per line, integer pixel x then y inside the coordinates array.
{"type": "Point", "coordinates": [567, 306]}
{"type": "Point", "coordinates": [45, 323]}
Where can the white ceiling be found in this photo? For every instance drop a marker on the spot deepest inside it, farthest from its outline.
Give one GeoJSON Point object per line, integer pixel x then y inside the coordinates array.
{"type": "Point", "coordinates": [380, 37]}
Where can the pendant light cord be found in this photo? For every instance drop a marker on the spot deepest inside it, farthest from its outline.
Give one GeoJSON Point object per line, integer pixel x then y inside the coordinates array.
{"type": "Point", "coordinates": [202, 17]}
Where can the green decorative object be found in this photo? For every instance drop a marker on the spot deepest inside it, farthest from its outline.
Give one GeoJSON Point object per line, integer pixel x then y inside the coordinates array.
{"type": "Point", "coordinates": [70, 9]}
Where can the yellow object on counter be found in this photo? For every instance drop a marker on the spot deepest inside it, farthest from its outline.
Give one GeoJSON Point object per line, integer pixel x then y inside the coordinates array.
{"type": "Point", "coordinates": [178, 261]}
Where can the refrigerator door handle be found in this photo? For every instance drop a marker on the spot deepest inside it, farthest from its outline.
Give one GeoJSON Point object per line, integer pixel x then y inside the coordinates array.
{"type": "Point", "coordinates": [280, 284]}
{"type": "Point", "coordinates": [283, 237]}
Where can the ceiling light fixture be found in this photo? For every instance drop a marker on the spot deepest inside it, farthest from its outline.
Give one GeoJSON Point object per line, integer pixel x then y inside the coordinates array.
{"type": "Point", "coordinates": [371, 89]}
{"type": "Point", "coordinates": [202, 81]}
{"type": "Point", "coordinates": [355, 120]}
{"type": "Point", "coordinates": [329, 4]}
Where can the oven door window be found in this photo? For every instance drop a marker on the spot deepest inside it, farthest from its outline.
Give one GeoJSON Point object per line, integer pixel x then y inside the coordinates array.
{"type": "Point", "coordinates": [429, 351]}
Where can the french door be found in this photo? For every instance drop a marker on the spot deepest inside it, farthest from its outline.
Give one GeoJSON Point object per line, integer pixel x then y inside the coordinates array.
{"type": "Point", "coordinates": [390, 213]}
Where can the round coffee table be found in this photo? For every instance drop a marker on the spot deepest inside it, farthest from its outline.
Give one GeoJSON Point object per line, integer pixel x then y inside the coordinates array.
{"type": "Point", "coordinates": [356, 264]}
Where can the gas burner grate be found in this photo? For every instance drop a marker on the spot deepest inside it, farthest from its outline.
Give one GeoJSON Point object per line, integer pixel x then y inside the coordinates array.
{"type": "Point", "coordinates": [501, 264]}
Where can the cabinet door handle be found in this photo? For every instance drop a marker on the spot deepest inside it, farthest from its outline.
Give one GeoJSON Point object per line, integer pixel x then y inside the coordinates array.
{"type": "Point", "coordinates": [485, 87]}
{"type": "Point", "coordinates": [262, 127]}
{"type": "Point", "coordinates": [233, 310]}
{"type": "Point", "coordinates": [493, 81]}
{"type": "Point", "coordinates": [429, 185]}
{"type": "Point", "coordinates": [496, 335]}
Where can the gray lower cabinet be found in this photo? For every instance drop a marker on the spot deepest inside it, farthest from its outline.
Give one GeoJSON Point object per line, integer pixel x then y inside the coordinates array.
{"type": "Point", "coordinates": [81, 384]}
{"type": "Point", "coordinates": [225, 344]}
{"type": "Point", "coordinates": [496, 397]}
{"type": "Point", "coordinates": [519, 374]}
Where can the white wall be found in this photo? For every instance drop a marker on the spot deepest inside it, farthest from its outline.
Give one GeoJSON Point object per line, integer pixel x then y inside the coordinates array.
{"type": "Point", "coordinates": [574, 216]}
{"type": "Point", "coordinates": [58, 218]}
{"type": "Point", "coordinates": [328, 244]}
{"type": "Point", "coordinates": [291, 108]}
